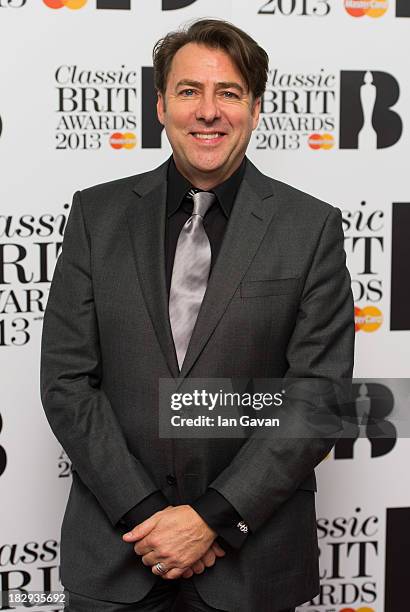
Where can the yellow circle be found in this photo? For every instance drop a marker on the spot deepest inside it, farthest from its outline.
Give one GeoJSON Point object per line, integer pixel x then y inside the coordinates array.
{"type": "Point", "coordinates": [373, 318]}
{"type": "Point", "coordinates": [74, 4]}
{"type": "Point", "coordinates": [129, 140]}
{"type": "Point", "coordinates": [377, 8]}
{"type": "Point", "coordinates": [327, 141]}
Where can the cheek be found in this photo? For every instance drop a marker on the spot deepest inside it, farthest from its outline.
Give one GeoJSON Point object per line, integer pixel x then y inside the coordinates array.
{"type": "Point", "coordinates": [179, 117]}
{"type": "Point", "coordinates": [243, 123]}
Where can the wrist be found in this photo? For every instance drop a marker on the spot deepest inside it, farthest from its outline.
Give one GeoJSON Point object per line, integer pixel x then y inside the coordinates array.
{"type": "Point", "coordinates": [211, 533]}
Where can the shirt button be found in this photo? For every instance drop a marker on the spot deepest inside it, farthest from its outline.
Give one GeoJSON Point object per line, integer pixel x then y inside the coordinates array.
{"type": "Point", "coordinates": [171, 480]}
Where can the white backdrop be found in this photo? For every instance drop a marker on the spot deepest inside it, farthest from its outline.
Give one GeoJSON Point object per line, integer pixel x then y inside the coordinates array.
{"type": "Point", "coordinates": [335, 121]}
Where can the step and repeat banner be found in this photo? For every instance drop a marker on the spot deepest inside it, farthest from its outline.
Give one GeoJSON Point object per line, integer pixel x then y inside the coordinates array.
{"type": "Point", "coordinates": [77, 107]}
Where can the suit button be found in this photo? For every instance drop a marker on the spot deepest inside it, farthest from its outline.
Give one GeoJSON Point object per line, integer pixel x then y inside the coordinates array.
{"type": "Point", "coordinates": [171, 480]}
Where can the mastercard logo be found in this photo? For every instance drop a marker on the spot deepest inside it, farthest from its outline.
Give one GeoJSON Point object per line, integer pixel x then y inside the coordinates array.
{"type": "Point", "coordinates": [367, 319]}
{"type": "Point", "coordinates": [71, 4]}
{"type": "Point", "coordinates": [371, 8]}
{"type": "Point", "coordinates": [357, 609]}
{"type": "Point", "coordinates": [127, 140]}
{"type": "Point", "coordinates": [321, 141]}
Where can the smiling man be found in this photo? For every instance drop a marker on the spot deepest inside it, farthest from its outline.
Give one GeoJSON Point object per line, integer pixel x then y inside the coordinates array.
{"type": "Point", "coordinates": [208, 122]}
{"type": "Point", "coordinates": [201, 268]}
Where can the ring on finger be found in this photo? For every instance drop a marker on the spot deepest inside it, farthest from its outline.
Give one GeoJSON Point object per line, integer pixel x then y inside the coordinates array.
{"type": "Point", "coordinates": [160, 567]}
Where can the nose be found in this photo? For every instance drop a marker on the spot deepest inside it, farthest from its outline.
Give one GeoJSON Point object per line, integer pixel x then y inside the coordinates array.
{"type": "Point", "coordinates": [208, 109]}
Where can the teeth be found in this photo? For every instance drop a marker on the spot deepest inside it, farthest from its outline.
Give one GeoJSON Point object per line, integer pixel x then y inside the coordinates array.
{"type": "Point", "coordinates": [207, 136]}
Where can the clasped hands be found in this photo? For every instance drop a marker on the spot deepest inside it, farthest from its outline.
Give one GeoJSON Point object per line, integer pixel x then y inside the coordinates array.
{"type": "Point", "coordinates": [178, 538]}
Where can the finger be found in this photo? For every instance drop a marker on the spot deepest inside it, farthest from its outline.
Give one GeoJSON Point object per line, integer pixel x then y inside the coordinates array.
{"type": "Point", "coordinates": [218, 550]}
{"type": "Point", "coordinates": [142, 548]}
{"type": "Point", "coordinates": [152, 558]}
{"type": "Point", "coordinates": [173, 573]}
{"type": "Point", "coordinates": [141, 530]}
{"type": "Point", "coordinates": [188, 573]}
{"type": "Point", "coordinates": [198, 567]}
{"type": "Point", "coordinates": [155, 570]}
{"type": "Point", "coordinates": [209, 558]}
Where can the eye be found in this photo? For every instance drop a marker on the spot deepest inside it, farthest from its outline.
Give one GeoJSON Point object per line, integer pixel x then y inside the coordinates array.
{"type": "Point", "coordinates": [187, 93]}
{"type": "Point", "coordinates": [229, 95]}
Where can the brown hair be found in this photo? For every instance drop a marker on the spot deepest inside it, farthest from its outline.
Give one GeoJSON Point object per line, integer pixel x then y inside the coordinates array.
{"type": "Point", "coordinates": [250, 59]}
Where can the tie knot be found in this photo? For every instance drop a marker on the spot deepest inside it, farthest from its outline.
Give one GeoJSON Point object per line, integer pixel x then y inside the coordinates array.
{"type": "Point", "coordinates": [202, 202]}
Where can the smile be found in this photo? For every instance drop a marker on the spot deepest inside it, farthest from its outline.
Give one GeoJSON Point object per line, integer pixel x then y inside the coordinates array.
{"type": "Point", "coordinates": [213, 137]}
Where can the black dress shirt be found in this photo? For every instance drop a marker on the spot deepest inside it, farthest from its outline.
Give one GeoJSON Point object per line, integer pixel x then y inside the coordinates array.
{"type": "Point", "coordinates": [216, 511]}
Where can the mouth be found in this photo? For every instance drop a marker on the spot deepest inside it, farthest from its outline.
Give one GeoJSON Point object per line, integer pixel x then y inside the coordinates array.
{"type": "Point", "coordinates": [208, 138]}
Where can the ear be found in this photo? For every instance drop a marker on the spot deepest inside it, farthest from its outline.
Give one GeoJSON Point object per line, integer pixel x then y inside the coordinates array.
{"type": "Point", "coordinates": [160, 107]}
{"type": "Point", "coordinates": [256, 109]}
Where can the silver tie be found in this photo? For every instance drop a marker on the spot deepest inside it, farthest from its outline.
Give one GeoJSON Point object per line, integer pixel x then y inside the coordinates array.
{"type": "Point", "coordinates": [190, 274]}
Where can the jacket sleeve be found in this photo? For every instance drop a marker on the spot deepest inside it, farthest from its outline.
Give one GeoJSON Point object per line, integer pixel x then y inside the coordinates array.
{"type": "Point", "coordinates": [320, 351]}
{"type": "Point", "coordinates": [219, 514]}
{"type": "Point", "coordinates": [144, 509]}
{"type": "Point", "coordinates": [78, 410]}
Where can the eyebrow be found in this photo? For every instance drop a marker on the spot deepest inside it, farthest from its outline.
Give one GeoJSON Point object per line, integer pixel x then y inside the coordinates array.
{"type": "Point", "coordinates": [219, 85]}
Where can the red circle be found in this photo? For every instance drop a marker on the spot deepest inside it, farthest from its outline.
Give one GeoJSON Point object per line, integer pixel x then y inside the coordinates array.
{"type": "Point", "coordinates": [358, 325]}
{"type": "Point", "coordinates": [116, 140]}
{"type": "Point", "coordinates": [314, 141]}
{"type": "Point", "coordinates": [54, 4]}
{"type": "Point", "coordinates": [355, 12]}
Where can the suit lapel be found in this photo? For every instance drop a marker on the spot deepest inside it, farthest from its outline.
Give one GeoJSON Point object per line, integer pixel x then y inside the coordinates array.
{"type": "Point", "coordinates": [251, 215]}
{"type": "Point", "coordinates": [147, 218]}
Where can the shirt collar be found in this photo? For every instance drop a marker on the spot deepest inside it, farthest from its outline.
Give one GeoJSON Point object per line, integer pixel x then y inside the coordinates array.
{"type": "Point", "coordinates": [225, 192]}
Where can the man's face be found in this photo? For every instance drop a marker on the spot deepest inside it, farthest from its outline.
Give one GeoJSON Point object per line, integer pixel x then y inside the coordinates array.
{"type": "Point", "coordinates": [208, 114]}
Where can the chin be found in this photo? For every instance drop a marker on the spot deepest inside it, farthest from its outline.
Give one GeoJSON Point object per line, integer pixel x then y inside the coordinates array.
{"type": "Point", "coordinates": [204, 165]}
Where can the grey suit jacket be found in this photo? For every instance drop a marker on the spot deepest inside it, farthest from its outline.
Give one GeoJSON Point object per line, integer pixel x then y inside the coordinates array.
{"type": "Point", "coordinates": [278, 304]}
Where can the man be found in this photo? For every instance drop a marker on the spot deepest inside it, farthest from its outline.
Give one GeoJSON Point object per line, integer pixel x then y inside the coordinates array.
{"type": "Point", "coordinates": [201, 268]}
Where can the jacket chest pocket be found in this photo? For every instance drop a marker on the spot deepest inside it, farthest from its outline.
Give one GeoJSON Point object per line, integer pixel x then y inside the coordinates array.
{"type": "Point", "coordinates": [264, 288]}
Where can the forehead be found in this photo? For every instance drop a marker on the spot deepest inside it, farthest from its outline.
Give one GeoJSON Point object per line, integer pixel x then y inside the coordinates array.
{"type": "Point", "coordinates": [200, 63]}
